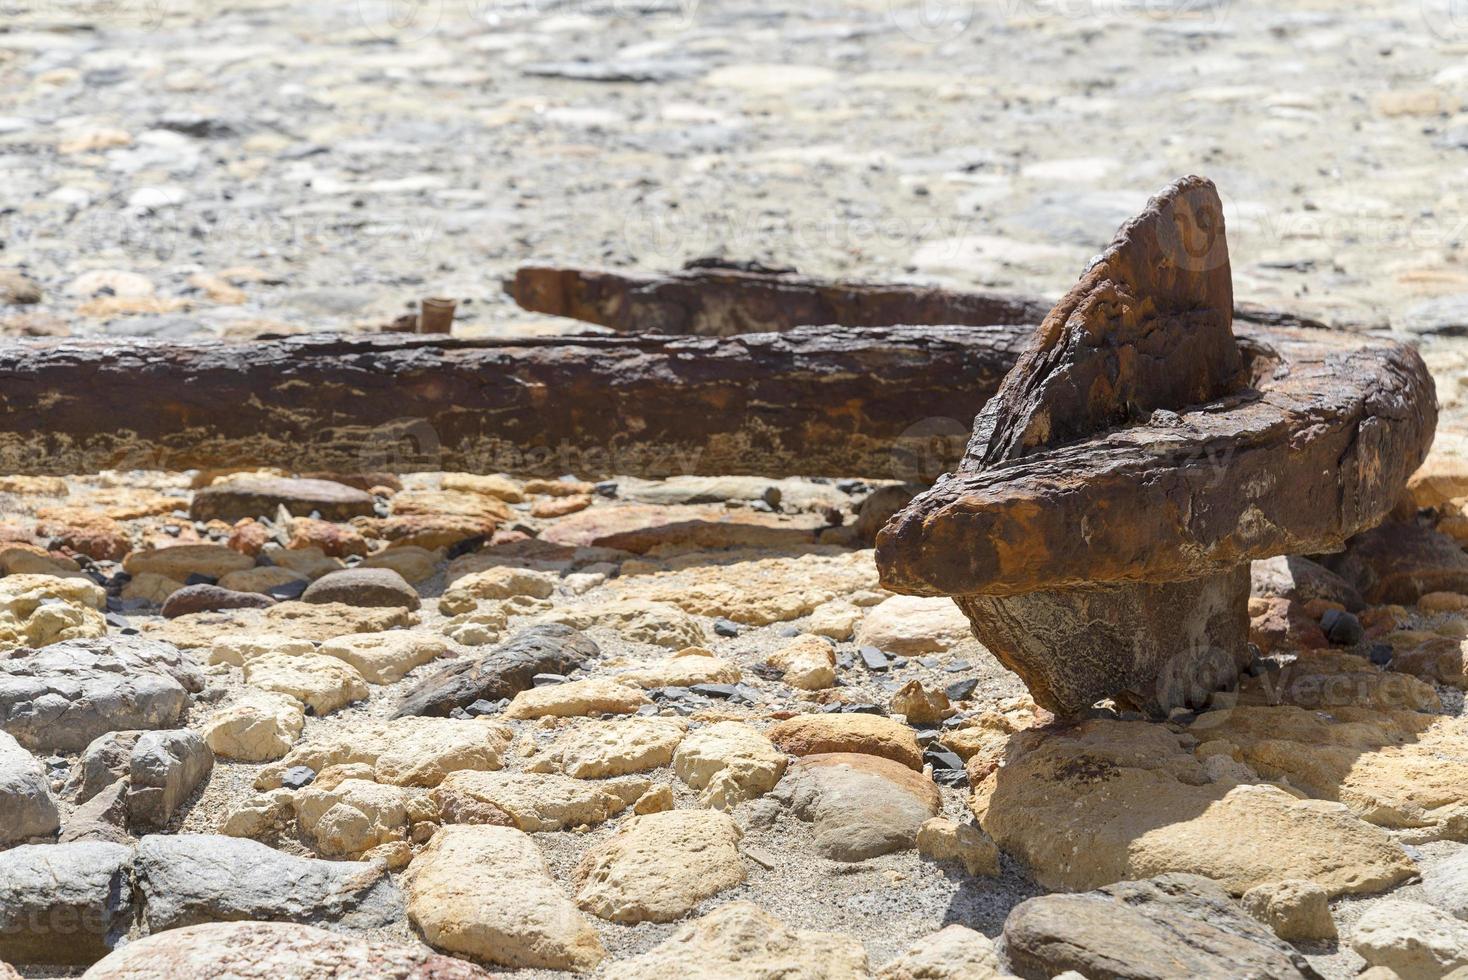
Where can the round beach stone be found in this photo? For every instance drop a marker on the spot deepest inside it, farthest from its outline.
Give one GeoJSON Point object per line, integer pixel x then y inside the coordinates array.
{"type": "Point", "coordinates": [364, 587]}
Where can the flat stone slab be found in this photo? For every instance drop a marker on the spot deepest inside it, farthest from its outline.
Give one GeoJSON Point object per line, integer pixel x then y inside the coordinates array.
{"type": "Point", "coordinates": [253, 496]}
{"type": "Point", "coordinates": [187, 879]}
{"type": "Point", "coordinates": [62, 696]}
{"type": "Point", "coordinates": [1172, 926]}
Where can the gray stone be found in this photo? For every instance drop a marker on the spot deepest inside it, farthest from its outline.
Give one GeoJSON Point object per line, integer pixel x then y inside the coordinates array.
{"type": "Point", "coordinates": [1300, 579]}
{"type": "Point", "coordinates": [26, 807]}
{"type": "Point", "coordinates": [252, 496]}
{"type": "Point", "coordinates": [1174, 925]}
{"type": "Point", "coordinates": [1445, 316]}
{"type": "Point", "coordinates": [104, 762]}
{"type": "Point", "coordinates": [861, 805]}
{"type": "Point", "coordinates": [101, 818]}
{"type": "Point", "coordinates": [505, 671]}
{"type": "Point", "coordinates": [64, 904]}
{"type": "Point", "coordinates": [187, 879]}
{"type": "Point", "coordinates": [62, 696]}
{"type": "Point", "coordinates": [164, 770]}
{"type": "Point", "coordinates": [1445, 883]}
{"type": "Point", "coordinates": [1414, 940]}
{"type": "Point", "coordinates": [371, 587]}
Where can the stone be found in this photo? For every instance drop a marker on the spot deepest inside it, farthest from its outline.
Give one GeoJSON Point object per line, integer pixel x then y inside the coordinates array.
{"type": "Point", "coordinates": [458, 899]}
{"type": "Point", "coordinates": [178, 562]}
{"type": "Point", "coordinates": [944, 840]}
{"type": "Point", "coordinates": [658, 867]}
{"type": "Point", "coordinates": [104, 761]}
{"type": "Point", "coordinates": [1443, 475]}
{"type": "Point", "coordinates": [640, 528]}
{"type": "Point", "coordinates": [596, 749]}
{"type": "Point", "coordinates": [237, 649]}
{"type": "Point", "coordinates": [27, 808]}
{"type": "Point", "coordinates": [1445, 884]}
{"type": "Point", "coordinates": [260, 726]}
{"type": "Point", "coordinates": [263, 815]}
{"type": "Point", "coordinates": [39, 610]}
{"type": "Point", "coordinates": [1296, 911]}
{"type": "Point", "coordinates": [560, 506]}
{"type": "Point", "coordinates": [534, 802]}
{"type": "Point", "coordinates": [807, 663]}
{"type": "Point", "coordinates": [164, 769]}
{"type": "Point", "coordinates": [759, 592]}
{"type": "Point", "coordinates": [272, 951]}
{"type": "Point", "coordinates": [504, 672]}
{"type": "Point", "coordinates": [64, 904]}
{"type": "Point", "coordinates": [18, 289]}
{"type": "Point", "coordinates": [878, 508]}
{"type": "Point", "coordinates": [370, 587]}
{"type": "Point", "coordinates": [1400, 563]}
{"type": "Point", "coordinates": [25, 559]}
{"type": "Point", "coordinates": [259, 580]}
{"type": "Point", "coordinates": [333, 540]}
{"type": "Point", "coordinates": [486, 509]}
{"type": "Point", "coordinates": [94, 535]}
{"type": "Point", "coordinates": [253, 496]}
{"type": "Point", "coordinates": [730, 762]}
{"type": "Point", "coordinates": [248, 537]}
{"type": "Point", "coordinates": [911, 626]}
{"type": "Point", "coordinates": [502, 582]}
{"type": "Point", "coordinates": [1300, 579]}
{"type": "Point", "coordinates": [187, 879]}
{"type": "Point", "coordinates": [1107, 801]}
{"type": "Point", "coordinates": [482, 627]}
{"type": "Point", "coordinates": [411, 562]}
{"type": "Point", "coordinates": [919, 705]}
{"type": "Point", "coordinates": [357, 815]}
{"type": "Point", "coordinates": [741, 941]}
{"type": "Point", "coordinates": [211, 598]}
{"type": "Point", "coordinates": [404, 752]}
{"type": "Point", "coordinates": [103, 817]}
{"type": "Point", "coordinates": [150, 587]}
{"type": "Point", "coordinates": [1175, 925]}
{"type": "Point", "coordinates": [863, 733]}
{"type": "Point", "coordinates": [322, 683]}
{"type": "Point", "coordinates": [63, 696]}
{"type": "Point", "coordinates": [593, 696]}
{"type": "Point", "coordinates": [954, 952]}
{"type": "Point", "coordinates": [385, 658]}
{"type": "Point", "coordinates": [491, 485]}
{"type": "Point", "coordinates": [634, 620]}
{"type": "Point", "coordinates": [838, 620]}
{"type": "Point", "coordinates": [1284, 625]}
{"type": "Point", "coordinates": [1391, 767]}
{"type": "Point", "coordinates": [861, 806]}
{"type": "Point", "coordinates": [687, 667]}
{"type": "Point", "coordinates": [1414, 940]}
{"type": "Point", "coordinates": [327, 621]}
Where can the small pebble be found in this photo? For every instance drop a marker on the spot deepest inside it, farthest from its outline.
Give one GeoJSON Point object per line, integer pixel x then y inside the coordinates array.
{"type": "Point", "coordinates": [961, 690]}
{"type": "Point", "coordinates": [298, 777]}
